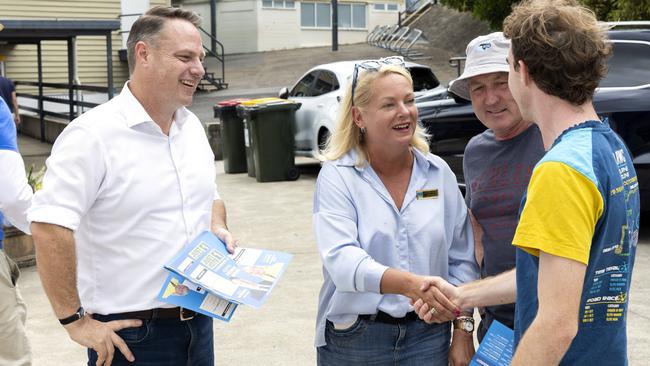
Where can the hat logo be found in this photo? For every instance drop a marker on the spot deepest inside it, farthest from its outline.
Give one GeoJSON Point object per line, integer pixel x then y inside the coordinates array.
{"type": "Point", "coordinates": [485, 46]}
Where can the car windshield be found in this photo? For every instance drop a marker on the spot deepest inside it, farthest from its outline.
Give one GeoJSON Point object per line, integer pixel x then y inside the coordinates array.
{"type": "Point", "coordinates": [629, 65]}
{"type": "Point", "coordinates": [423, 78]}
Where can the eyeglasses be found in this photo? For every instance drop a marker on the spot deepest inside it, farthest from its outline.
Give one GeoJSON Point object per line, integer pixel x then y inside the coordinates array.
{"type": "Point", "coordinates": [374, 65]}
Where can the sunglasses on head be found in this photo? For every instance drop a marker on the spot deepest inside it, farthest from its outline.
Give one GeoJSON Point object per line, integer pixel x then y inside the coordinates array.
{"type": "Point", "coordinates": [374, 65]}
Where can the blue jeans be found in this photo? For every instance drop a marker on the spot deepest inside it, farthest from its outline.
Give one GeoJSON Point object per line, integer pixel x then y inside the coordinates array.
{"type": "Point", "coordinates": [165, 342]}
{"type": "Point", "coordinates": [368, 342]}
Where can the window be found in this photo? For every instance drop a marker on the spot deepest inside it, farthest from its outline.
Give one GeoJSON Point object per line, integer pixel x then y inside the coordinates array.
{"type": "Point", "coordinates": [423, 78]}
{"type": "Point", "coordinates": [279, 4]}
{"type": "Point", "coordinates": [345, 16]}
{"type": "Point", "coordinates": [352, 16]}
{"type": "Point", "coordinates": [359, 16]}
{"type": "Point", "coordinates": [629, 65]}
{"type": "Point", "coordinates": [315, 15]}
{"type": "Point", "coordinates": [325, 83]}
{"type": "Point", "coordinates": [319, 15]}
{"type": "Point", "coordinates": [307, 15]}
{"type": "Point", "coordinates": [385, 7]}
{"type": "Point", "coordinates": [303, 87]}
{"type": "Point", "coordinates": [323, 15]}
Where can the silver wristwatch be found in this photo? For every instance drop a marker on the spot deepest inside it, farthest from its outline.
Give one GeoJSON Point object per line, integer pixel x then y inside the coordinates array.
{"type": "Point", "coordinates": [465, 323]}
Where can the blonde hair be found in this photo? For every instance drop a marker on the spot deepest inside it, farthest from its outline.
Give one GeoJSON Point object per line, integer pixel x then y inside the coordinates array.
{"type": "Point", "coordinates": [347, 136]}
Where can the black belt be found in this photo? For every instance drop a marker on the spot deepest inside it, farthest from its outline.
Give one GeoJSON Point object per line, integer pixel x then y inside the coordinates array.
{"type": "Point", "coordinates": [179, 313]}
{"type": "Point", "coordinates": [382, 317]}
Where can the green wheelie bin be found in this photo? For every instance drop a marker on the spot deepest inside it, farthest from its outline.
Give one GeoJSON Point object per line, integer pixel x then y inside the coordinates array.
{"type": "Point", "coordinates": [269, 124]}
{"type": "Point", "coordinates": [232, 136]}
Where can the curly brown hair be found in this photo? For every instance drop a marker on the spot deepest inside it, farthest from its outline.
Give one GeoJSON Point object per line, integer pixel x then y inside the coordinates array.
{"type": "Point", "coordinates": [562, 44]}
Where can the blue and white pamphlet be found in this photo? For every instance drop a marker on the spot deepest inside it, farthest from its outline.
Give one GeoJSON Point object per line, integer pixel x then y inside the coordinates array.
{"type": "Point", "coordinates": [497, 346]}
{"type": "Point", "coordinates": [179, 291]}
{"type": "Point", "coordinates": [245, 277]}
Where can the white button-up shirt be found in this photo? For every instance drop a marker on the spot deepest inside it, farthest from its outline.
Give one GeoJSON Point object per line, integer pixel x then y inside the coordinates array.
{"type": "Point", "coordinates": [360, 234]}
{"type": "Point", "coordinates": [133, 197]}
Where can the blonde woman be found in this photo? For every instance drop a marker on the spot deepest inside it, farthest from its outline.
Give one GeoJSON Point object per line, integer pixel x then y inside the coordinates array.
{"type": "Point", "coordinates": [387, 213]}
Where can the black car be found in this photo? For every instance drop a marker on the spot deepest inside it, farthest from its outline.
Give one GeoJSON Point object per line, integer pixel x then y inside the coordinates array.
{"type": "Point", "coordinates": [623, 97]}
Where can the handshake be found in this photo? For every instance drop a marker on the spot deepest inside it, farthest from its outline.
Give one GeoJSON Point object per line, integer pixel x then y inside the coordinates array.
{"type": "Point", "coordinates": [436, 300]}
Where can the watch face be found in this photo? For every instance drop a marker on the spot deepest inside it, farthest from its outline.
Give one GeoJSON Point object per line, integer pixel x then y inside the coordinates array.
{"type": "Point", "coordinates": [468, 327]}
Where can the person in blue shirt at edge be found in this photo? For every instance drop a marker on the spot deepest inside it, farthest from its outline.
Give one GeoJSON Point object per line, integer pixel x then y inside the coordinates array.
{"type": "Point", "coordinates": [8, 93]}
{"type": "Point", "coordinates": [497, 163]}
{"type": "Point", "coordinates": [386, 214]}
{"type": "Point", "coordinates": [579, 223]}
{"type": "Point", "coordinates": [15, 199]}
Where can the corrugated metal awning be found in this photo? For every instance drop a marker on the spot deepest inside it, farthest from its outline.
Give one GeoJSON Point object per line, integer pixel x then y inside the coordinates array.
{"type": "Point", "coordinates": [30, 31]}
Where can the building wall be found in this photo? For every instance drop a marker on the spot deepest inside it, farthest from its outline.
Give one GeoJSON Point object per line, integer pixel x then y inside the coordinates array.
{"type": "Point", "coordinates": [281, 29]}
{"type": "Point", "coordinates": [20, 60]}
{"type": "Point", "coordinates": [245, 26]}
{"type": "Point", "coordinates": [237, 25]}
{"type": "Point", "coordinates": [377, 17]}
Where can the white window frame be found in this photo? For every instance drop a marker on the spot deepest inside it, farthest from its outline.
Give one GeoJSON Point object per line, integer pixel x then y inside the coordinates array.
{"type": "Point", "coordinates": [283, 5]}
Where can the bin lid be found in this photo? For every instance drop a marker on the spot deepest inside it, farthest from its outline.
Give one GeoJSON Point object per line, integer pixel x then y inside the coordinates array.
{"type": "Point", "coordinates": [266, 101]}
{"type": "Point", "coordinates": [231, 102]}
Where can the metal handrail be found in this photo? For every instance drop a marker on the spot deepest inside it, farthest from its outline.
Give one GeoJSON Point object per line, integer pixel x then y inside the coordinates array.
{"type": "Point", "coordinates": [457, 62]}
{"type": "Point", "coordinates": [60, 100]}
{"type": "Point", "coordinates": [414, 8]}
{"type": "Point", "coordinates": [94, 88]}
{"type": "Point", "coordinates": [216, 41]}
{"type": "Point", "coordinates": [214, 54]}
{"type": "Point", "coordinates": [46, 113]}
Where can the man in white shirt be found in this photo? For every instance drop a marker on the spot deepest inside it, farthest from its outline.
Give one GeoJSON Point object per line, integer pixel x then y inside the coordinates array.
{"type": "Point", "coordinates": [15, 198]}
{"type": "Point", "coordinates": [128, 184]}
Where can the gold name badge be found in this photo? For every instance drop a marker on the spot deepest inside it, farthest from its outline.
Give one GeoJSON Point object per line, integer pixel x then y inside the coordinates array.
{"type": "Point", "coordinates": [426, 194]}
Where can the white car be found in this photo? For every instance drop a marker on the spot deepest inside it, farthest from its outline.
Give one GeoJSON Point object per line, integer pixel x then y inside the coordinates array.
{"type": "Point", "coordinates": [320, 90]}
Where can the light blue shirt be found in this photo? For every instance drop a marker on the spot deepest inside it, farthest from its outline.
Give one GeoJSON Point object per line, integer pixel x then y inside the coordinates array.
{"type": "Point", "coordinates": [360, 233]}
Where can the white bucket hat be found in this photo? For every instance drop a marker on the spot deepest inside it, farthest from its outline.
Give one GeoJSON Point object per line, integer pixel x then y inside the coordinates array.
{"type": "Point", "coordinates": [485, 55]}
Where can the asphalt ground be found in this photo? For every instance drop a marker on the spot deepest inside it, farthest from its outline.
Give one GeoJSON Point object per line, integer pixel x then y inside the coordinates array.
{"type": "Point", "coordinates": [277, 216]}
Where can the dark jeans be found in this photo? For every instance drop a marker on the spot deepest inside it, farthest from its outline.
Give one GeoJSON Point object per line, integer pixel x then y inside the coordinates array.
{"type": "Point", "coordinates": [373, 343]}
{"type": "Point", "coordinates": [165, 342]}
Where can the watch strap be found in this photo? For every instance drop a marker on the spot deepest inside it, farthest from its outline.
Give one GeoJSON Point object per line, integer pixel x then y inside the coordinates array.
{"type": "Point", "coordinates": [74, 317]}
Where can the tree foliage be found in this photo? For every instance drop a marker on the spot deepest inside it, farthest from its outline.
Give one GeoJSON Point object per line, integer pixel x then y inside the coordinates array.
{"type": "Point", "coordinates": [495, 11]}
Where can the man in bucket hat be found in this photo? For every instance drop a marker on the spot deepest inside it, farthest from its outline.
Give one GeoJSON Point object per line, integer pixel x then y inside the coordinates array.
{"type": "Point", "coordinates": [497, 164]}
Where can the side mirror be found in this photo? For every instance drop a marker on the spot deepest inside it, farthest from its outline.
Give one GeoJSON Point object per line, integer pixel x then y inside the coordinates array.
{"type": "Point", "coordinates": [283, 93]}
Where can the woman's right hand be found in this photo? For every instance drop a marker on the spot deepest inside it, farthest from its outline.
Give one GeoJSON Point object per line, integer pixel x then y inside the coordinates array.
{"type": "Point", "coordinates": [437, 305]}
{"type": "Point", "coordinates": [426, 289]}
